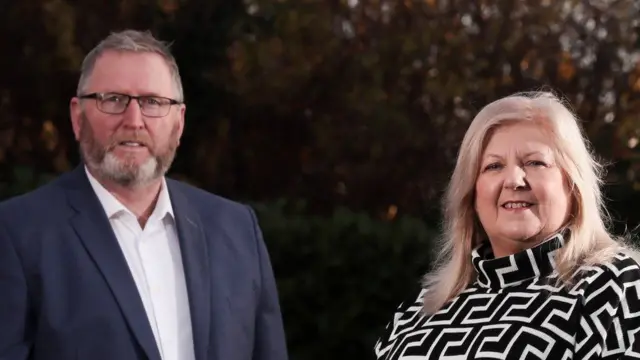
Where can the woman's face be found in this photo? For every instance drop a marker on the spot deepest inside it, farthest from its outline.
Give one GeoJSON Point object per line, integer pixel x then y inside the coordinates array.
{"type": "Point", "coordinates": [521, 196]}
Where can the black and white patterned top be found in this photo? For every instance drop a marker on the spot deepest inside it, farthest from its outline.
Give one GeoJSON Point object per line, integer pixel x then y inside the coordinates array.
{"type": "Point", "coordinates": [513, 311]}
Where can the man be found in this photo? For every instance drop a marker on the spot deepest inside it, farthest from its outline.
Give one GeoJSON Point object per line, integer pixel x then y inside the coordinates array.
{"type": "Point", "coordinates": [112, 260]}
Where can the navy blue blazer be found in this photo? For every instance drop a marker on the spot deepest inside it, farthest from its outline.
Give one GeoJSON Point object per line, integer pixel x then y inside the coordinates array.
{"type": "Point", "coordinates": [66, 291]}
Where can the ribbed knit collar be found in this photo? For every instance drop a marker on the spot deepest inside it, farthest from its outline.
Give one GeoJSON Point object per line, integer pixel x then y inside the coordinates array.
{"type": "Point", "coordinates": [515, 269]}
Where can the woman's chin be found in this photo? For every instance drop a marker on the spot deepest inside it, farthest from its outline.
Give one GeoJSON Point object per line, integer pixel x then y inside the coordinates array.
{"type": "Point", "coordinates": [522, 234]}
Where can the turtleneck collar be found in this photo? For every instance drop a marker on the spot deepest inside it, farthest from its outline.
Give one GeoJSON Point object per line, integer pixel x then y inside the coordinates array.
{"type": "Point", "coordinates": [515, 269]}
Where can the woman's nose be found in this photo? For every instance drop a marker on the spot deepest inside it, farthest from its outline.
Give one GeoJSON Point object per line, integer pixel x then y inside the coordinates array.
{"type": "Point", "coordinates": [515, 178]}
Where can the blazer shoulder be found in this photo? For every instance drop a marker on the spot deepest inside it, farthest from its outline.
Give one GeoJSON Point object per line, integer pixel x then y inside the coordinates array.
{"type": "Point", "coordinates": [209, 203]}
{"type": "Point", "coordinates": [37, 201]}
{"type": "Point", "coordinates": [218, 215]}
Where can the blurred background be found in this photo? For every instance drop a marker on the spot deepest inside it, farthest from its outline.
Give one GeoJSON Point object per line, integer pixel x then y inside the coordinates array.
{"type": "Point", "coordinates": [338, 120]}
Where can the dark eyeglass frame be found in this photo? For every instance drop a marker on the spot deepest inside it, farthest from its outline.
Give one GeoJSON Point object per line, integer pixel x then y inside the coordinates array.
{"type": "Point", "coordinates": [99, 98]}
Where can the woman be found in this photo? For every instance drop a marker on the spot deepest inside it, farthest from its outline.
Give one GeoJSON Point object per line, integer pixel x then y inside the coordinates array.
{"type": "Point", "coordinates": [528, 270]}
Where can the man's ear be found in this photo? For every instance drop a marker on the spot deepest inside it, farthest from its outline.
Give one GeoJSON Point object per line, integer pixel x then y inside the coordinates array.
{"type": "Point", "coordinates": [75, 112]}
{"type": "Point", "coordinates": [181, 116]}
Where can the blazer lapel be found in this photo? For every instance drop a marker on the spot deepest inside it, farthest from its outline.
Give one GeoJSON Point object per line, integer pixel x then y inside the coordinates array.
{"type": "Point", "coordinates": [196, 262]}
{"type": "Point", "coordinates": [94, 230]}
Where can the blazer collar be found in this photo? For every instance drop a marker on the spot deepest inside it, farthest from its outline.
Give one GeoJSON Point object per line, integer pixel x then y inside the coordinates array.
{"type": "Point", "coordinates": [92, 226]}
{"type": "Point", "coordinates": [94, 230]}
{"type": "Point", "coordinates": [196, 262]}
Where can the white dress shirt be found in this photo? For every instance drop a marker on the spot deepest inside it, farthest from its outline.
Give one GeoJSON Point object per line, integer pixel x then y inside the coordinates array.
{"type": "Point", "coordinates": [153, 256]}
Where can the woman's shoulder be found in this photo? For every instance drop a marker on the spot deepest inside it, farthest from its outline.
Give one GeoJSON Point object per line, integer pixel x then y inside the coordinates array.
{"type": "Point", "coordinates": [611, 277]}
{"type": "Point", "coordinates": [623, 265]}
{"type": "Point", "coordinates": [405, 317]}
{"type": "Point", "coordinates": [412, 304]}
{"type": "Point", "coordinates": [609, 292]}
{"type": "Point", "coordinates": [408, 308]}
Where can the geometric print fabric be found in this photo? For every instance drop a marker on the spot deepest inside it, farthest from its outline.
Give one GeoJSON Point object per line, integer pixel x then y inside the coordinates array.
{"type": "Point", "coordinates": [515, 310]}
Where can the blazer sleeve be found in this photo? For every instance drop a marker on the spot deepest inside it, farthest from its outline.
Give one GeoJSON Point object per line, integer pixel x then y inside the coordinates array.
{"type": "Point", "coordinates": [269, 343]}
{"type": "Point", "coordinates": [609, 324]}
{"type": "Point", "coordinates": [14, 303]}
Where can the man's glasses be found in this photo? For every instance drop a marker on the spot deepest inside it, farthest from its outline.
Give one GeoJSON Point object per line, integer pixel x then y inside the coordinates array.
{"type": "Point", "coordinates": [114, 103]}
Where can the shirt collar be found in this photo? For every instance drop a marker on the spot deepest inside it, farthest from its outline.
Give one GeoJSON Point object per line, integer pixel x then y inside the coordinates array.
{"type": "Point", "coordinates": [113, 206]}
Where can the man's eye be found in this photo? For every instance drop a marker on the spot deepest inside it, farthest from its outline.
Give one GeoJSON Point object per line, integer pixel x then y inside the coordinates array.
{"type": "Point", "coordinates": [113, 98]}
{"type": "Point", "coordinates": [152, 101]}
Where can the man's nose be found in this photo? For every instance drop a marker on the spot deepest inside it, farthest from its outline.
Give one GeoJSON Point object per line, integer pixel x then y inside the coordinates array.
{"type": "Point", "coordinates": [515, 177]}
{"type": "Point", "coordinates": [132, 116]}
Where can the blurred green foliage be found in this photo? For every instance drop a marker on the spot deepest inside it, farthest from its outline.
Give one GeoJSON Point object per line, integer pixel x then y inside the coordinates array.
{"type": "Point", "coordinates": [22, 179]}
{"type": "Point", "coordinates": [340, 277]}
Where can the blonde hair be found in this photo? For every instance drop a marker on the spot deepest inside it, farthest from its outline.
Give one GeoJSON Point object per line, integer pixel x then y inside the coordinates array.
{"type": "Point", "coordinates": [590, 242]}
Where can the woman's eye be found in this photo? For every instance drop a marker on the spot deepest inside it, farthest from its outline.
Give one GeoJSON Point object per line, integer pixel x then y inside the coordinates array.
{"type": "Point", "coordinates": [493, 166]}
{"type": "Point", "coordinates": [536, 163]}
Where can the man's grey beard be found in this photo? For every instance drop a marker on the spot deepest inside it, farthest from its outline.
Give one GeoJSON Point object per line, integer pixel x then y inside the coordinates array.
{"type": "Point", "coordinates": [102, 161]}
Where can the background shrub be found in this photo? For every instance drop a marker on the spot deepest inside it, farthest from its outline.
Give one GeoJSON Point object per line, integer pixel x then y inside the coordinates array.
{"type": "Point", "coordinates": [341, 276]}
